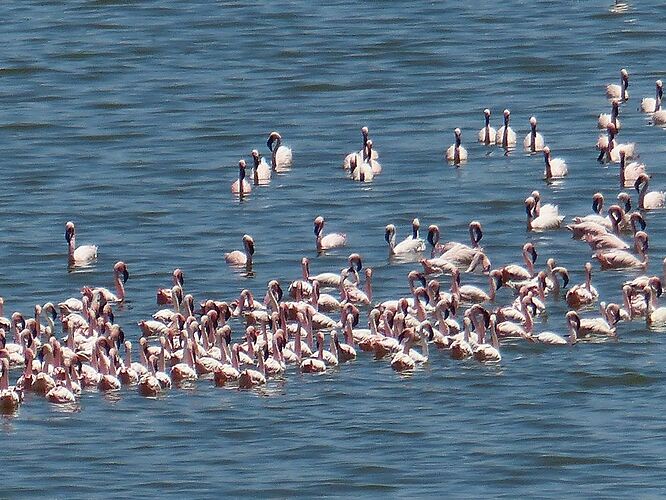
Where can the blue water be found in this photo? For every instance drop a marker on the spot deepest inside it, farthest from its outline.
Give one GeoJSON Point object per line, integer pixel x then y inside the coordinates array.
{"type": "Point", "coordinates": [129, 118]}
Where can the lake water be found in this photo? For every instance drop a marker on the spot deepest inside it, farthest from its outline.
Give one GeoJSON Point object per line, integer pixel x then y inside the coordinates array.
{"type": "Point", "coordinates": [130, 117]}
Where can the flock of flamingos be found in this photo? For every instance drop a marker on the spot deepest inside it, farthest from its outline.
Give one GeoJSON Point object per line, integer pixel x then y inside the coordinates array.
{"type": "Point", "coordinates": [75, 345]}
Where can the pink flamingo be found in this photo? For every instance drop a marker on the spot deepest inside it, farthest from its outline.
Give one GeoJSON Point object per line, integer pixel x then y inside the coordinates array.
{"type": "Point", "coordinates": [82, 255]}
{"type": "Point", "coordinates": [331, 240]}
{"type": "Point", "coordinates": [241, 186]}
{"type": "Point", "coordinates": [281, 156]}
{"type": "Point", "coordinates": [238, 258]}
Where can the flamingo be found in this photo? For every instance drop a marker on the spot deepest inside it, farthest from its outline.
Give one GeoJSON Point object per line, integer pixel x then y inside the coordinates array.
{"type": "Point", "coordinates": [250, 378]}
{"type": "Point", "coordinates": [261, 172]}
{"type": "Point", "coordinates": [556, 168]}
{"type": "Point", "coordinates": [401, 360]}
{"type": "Point", "coordinates": [551, 338]}
{"type": "Point", "coordinates": [548, 218]}
{"type": "Point", "coordinates": [583, 294]}
{"type": "Point", "coordinates": [228, 371]}
{"type": "Point", "coordinates": [63, 394]}
{"type": "Point", "coordinates": [488, 353]}
{"type": "Point", "coordinates": [164, 295]}
{"type": "Point", "coordinates": [329, 241]}
{"type": "Point", "coordinates": [346, 351]}
{"type": "Point", "coordinates": [487, 134]}
{"type": "Point", "coordinates": [314, 365]}
{"type": "Point", "coordinates": [648, 200]}
{"type": "Point", "coordinates": [408, 246]}
{"type": "Point", "coordinates": [281, 156]}
{"type": "Point", "coordinates": [10, 397]}
{"type": "Point", "coordinates": [514, 272]}
{"type": "Point", "coordinates": [533, 141]}
{"type": "Point", "coordinates": [244, 258]}
{"type": "Point", "coordinates": [653, 105]}
{"type": "Point", "coordinates": [603, 325]}
{"type": "Point", "coordinates": [457, 252]}
{"type": "Point", "coordinates": [119, 269]}
{"type": "Point", "coordinates": [614, 91]}
{"type": "Point", "coordinates": [361, 171]}
{"type": "Point", "coordinates": [629, 173]}
{"type": "Point", "coordinates": [461, 347]}
{"type": "Point", "coordinates": [506, 137]}
{"type": "Point", "coordinates": [606, 118]}
{"type": "Point", "coordinates": [655, 316]}
{"type": "Point", "coordinates": [621, 259]}
{"type": "Point", "coordinates": [659, 117]}
{"type": "Point", "coordinates": [369, 159]}
{"type": "Point", "coordinates": [473, 294]}
{"type": "Point", "coordinates": [346, 164]}
{"type": "Point", "coordinates": [78, 256]}
{"type": "Point", "coordinates": [456, 153]}
{"type": "Point", "coordinates": [148, 384]}
{"type": "Point", "coordinates": [241, 186]}
{"type": "Point", "coordinates": [184, 371]}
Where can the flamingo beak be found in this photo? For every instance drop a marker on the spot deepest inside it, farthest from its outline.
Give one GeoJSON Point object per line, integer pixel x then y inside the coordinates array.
{"type": "Point", "coordinates": [534, 255]}
{"type": "Point", "coordinates": [125, 275]}
{"type": "Point", "coordinates": [387, 236]}
{"type": "Point", "coordinates": [565, 280]}
{"type": "Point", "coordinates": [595, 206]}
{"type": "Point", "coordinates": [431, 238]}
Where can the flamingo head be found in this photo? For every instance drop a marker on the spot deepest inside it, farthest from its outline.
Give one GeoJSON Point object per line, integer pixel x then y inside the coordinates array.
{"type": "Point", "coordinates": [655, 283]}
{"type": "Point", "coordinates": [120, 268]}
{"type": "Point", "coordinates": [597, 202]}
{"type": "Point", "coordinates": [476, 232]}
{"type": "Point", "coordinates": [318, 225]}
{"type": "Point", "coordinates": [625, 199]}
{"type": "Point", "coordinates": [625, 77]}
{"type": "Point", "coordinates": [256, 157]}
{"type": "Point", "coordinates": [507, 116]}
{"type": "Point", "coordinates": [486, 112]}
{"type": "Point", "coordinates": [642, 179]}
{"type": "Point", "coordinates": [546, 152]}
{"type": "Point", "coordinates": [533, 122]}
{"type": "Point", "coordinates": [433, 234]}
{"type": "Point", "coordinates": [274, 138]}
{"type": "Point", "coordinates": [530, 250]}
{"type": "Point", "coordinates": [178, 277]}
{"type": "Point", "coordinates": [248, 242]}
{"type": "Point", "coordinates": [69, 231]}
{"type": "Point", "coordinates": [642, 241]}
{"type": "Point", "coordinates": [389, 232]}
{"type": "Point", "coordinates": [355, 262]}
{"type": "Point", "coordinates": [529, 206]}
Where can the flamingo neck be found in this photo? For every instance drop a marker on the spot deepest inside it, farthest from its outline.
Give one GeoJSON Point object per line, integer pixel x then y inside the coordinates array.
{"type": "Point", "coordinates": [368, 288]}
{"type": "Point", "coordinates": [641, 195]}
{"type": "Point", "coordinates": [128, 357]}
{"type": "Point", "coordinates": [4, 380]}
{"type": "Point", "coordinates": [72, 247]}
{"type": "Point", "coordinates": [533, 139]}
{"type": "Point", "coordinates": [120, 288]}
{"type": "Point", "coordinates": [528, 317]}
